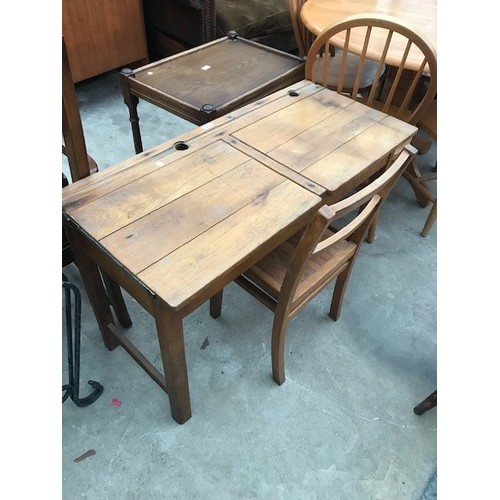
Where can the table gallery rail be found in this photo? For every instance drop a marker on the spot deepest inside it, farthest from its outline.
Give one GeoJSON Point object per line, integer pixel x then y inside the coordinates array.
{"type": "Point", "coordinates": [178, 222]}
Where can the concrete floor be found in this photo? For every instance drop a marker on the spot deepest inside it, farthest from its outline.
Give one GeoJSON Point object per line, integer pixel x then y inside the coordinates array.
{"type": "Point", "coordinates": [342, 425]}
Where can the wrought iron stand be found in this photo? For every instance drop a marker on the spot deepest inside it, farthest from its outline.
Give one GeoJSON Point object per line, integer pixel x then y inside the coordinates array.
{"type": "Point", "coordinates": [72, 389]}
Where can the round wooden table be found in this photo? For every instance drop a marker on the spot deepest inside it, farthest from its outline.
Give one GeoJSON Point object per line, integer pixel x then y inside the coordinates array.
{"type": "Point", "coordinates": [420, 14]}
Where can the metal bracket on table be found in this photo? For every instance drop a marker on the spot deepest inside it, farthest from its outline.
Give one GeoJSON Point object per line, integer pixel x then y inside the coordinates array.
{"type": "Point", "coordinates": [72, 389]}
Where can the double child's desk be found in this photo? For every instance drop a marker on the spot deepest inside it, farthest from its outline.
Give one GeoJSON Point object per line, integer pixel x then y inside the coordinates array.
{"type": "Point", "coordinates": [178, 222]}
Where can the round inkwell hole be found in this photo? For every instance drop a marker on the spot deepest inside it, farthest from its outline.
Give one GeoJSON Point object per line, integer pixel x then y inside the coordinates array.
{"type": "Point", "coordinates": [181, 146]}
{"type": "Point", "coordinates": [293, 93]}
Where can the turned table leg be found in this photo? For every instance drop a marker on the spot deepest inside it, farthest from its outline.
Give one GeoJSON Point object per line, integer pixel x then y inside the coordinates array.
{"type": "Point", "coordinates": [131, 101]}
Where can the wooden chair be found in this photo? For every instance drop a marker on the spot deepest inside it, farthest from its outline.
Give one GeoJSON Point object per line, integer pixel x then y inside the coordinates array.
{"type": "Point", "coordinates": [294, 273]}
{"type": "Point", "coordinates": [81, 165]}
{"type": "Point", "coordinates": [305, 39]}
{"type": "Point", "coordinates": [400, 93]}
{"type": "Point", "coordinates": [427, 123]}
{"type": "Point", "coordinates": [409, 105]}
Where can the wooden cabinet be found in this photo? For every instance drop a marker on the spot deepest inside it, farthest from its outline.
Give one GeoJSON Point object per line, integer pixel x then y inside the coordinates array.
{"type": "Point", "coordinates": [102, 35]}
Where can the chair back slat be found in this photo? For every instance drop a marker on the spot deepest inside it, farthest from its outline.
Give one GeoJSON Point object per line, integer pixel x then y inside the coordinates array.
{"type": "Point", "coordinates": [362, 58]}
{"type": "Point", "coordinates": [394, 84]}
{"type": "Point", "coordinates": [349, 229]}
{"type": "Point", "coordinates": [374, 91]}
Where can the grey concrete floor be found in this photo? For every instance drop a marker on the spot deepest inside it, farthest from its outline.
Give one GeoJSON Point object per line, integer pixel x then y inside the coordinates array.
{"type": "Point", "coordinates": [342, 425]}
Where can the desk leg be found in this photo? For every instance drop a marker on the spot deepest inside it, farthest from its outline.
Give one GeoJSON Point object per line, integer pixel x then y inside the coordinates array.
{"type": "Point", "coordinates": [117, 301]}
{"type": "Point", "coordinates": [171, 340]}
{"type": "Point", "coordinates": [131, 101]}
{"type": "Point", "coordinates": [94, 287]}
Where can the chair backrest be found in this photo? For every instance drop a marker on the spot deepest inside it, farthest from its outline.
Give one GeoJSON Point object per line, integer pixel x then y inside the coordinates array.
{"type": "Point", "coordinates": [318, 238]}
{"type": "Point", "coordinates": [389, 41]}
{"type": "Point", "coordinates": [74, 148]}
{"type": "Point", "coordinates": [303, 36]}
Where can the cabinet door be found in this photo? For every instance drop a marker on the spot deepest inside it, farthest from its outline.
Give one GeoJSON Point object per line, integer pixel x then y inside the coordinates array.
{"type": "Point", "coordinates": [102, 35]}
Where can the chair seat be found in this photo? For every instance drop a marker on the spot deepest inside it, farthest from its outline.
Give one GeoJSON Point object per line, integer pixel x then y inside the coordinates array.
{"type": "Point", "coordinates": [269, 273]}
{"type": "Point", "coordinates": [367, 76]}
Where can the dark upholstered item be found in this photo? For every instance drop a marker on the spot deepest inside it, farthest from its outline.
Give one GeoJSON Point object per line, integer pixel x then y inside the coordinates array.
{"type": "Point", "coordinates": [176, 25]}
{"type": "Point", "coordinates": [252, 18]}
{"type": "Point", "coordinates": [196, 4]}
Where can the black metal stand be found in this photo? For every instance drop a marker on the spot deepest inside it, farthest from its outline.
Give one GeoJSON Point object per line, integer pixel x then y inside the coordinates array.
{"type": "Point", "coordinates": [72, 389]}
{"type": "Point", "coordinates": [427, 404]}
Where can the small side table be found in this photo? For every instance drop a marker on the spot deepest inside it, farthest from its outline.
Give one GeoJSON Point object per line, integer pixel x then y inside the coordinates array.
{"type": "Point", "coordinates": [209, 81]}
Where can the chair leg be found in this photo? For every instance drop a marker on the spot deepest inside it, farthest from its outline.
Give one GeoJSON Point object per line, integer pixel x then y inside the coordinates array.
{"type": "Point", "coordinates": [370, 237]}
{"type": "Point", "coordinates": [428, 403]}
{"type": "Point", "coordinates": [278, 341]}
{"type": "Point", "coordinates": [339, 291]}
{"type": "Point", "coordinates": [216, 304]}
{"type": "Point", "coordinates": [116, 300]}
{"type": "Point", "coordinates": [421, 190]}
{"type": "Point", "coordinates": [431, 218]}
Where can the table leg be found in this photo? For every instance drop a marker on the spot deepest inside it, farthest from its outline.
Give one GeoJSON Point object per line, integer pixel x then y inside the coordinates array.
{"type": "Point", "coordinates": [117, 301]}
{"type": "Point", "coordinates": [94, 287]}
{"type": "Point", "coordinates": [131, 101]}
{"type": "Point", "coordinates": [171, 340]}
